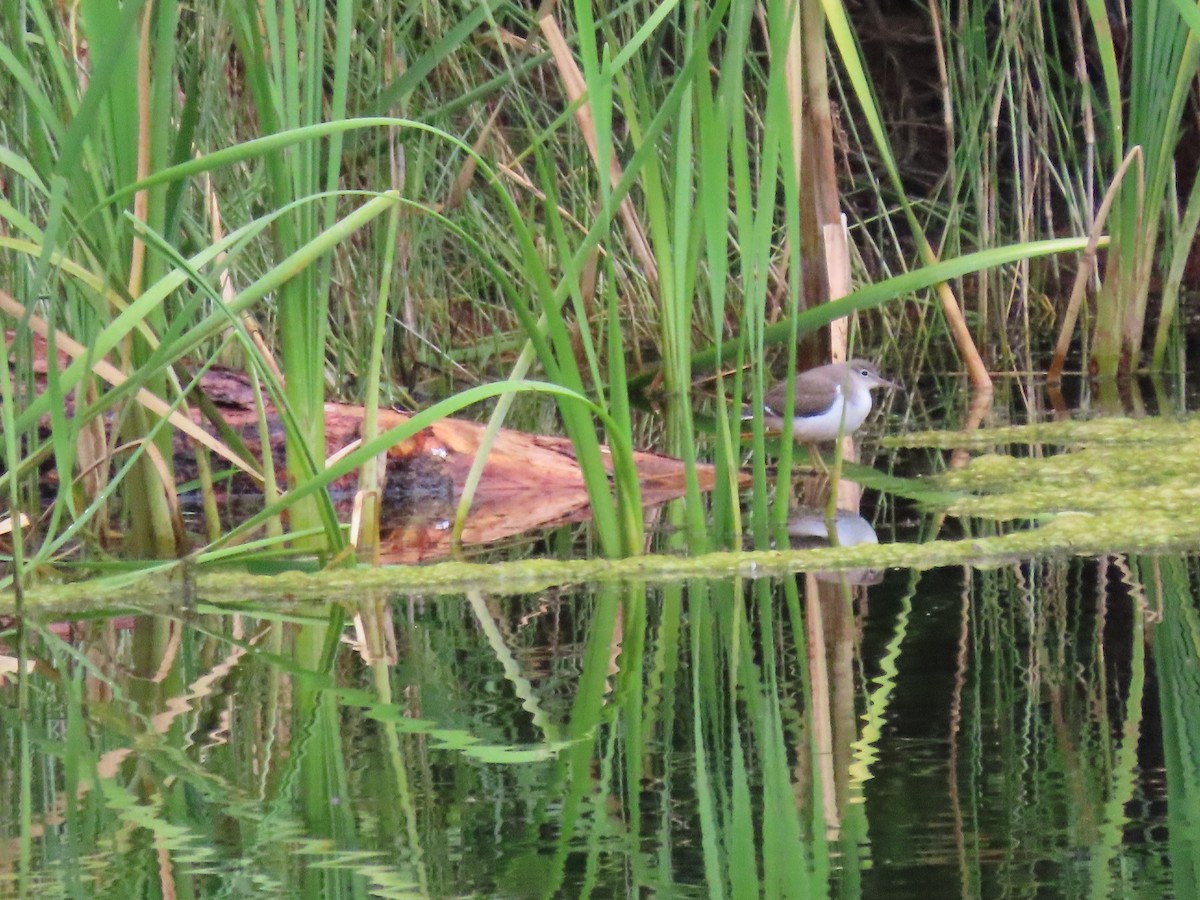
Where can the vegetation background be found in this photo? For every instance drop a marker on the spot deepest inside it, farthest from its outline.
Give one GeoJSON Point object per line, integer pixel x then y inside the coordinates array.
{"type": "Point", "coordinates": [402, 203]}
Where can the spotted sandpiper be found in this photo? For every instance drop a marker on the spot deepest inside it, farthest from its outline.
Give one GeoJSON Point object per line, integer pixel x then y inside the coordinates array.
{"type": "Point", "coordinates": [829, 400]}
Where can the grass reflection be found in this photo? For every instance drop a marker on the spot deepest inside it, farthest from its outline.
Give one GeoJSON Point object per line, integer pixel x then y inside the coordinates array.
{"type": "Point", "coordinates": [954, 732]}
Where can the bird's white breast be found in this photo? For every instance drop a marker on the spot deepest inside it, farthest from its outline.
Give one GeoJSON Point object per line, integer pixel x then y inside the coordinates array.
{"type": "Point", "coordinates": [825, 426]}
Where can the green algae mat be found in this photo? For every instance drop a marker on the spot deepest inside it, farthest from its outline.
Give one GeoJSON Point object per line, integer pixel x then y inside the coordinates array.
{"type": "Point", "coordinates": [1066, 488]}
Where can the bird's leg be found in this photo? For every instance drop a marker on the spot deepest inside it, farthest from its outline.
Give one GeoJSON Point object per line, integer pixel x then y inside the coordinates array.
{"type": "Point", "coordinates": [814, 455]}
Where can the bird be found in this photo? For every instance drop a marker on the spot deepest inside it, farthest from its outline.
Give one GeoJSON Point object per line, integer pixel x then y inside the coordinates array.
{"type": "Point", "coordinates": [830, 400]}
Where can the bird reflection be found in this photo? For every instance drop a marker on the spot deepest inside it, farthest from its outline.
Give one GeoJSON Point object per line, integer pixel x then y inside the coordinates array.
{"type": "Point", "coordinates": [807, 528]}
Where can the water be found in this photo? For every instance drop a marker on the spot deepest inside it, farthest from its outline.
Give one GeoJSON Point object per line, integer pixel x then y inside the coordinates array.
{"type": "Point", "coordinates": [1020, 729]}
{"type": "Point", "coordinates": [1007, 731]}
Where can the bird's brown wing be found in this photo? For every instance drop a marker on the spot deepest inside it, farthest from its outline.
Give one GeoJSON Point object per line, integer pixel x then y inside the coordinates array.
{"type": "Point", "coordinates": [812, 396]}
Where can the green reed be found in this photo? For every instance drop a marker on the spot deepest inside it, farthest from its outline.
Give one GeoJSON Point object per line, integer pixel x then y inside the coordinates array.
{"type": "Point", "coordinates": [560, 206]}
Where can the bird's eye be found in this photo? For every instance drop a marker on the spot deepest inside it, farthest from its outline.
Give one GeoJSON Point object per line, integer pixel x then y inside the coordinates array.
{"type": "Point", "coordinates": [864, 372]}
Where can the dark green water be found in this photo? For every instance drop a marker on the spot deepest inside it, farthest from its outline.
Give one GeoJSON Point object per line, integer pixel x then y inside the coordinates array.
{"type": "Point", "coordinates": [1027, 730]}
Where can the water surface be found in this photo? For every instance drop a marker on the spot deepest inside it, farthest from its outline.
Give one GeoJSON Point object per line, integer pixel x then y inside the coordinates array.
{"type": "Point", "coordinates": [1008, 731]}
